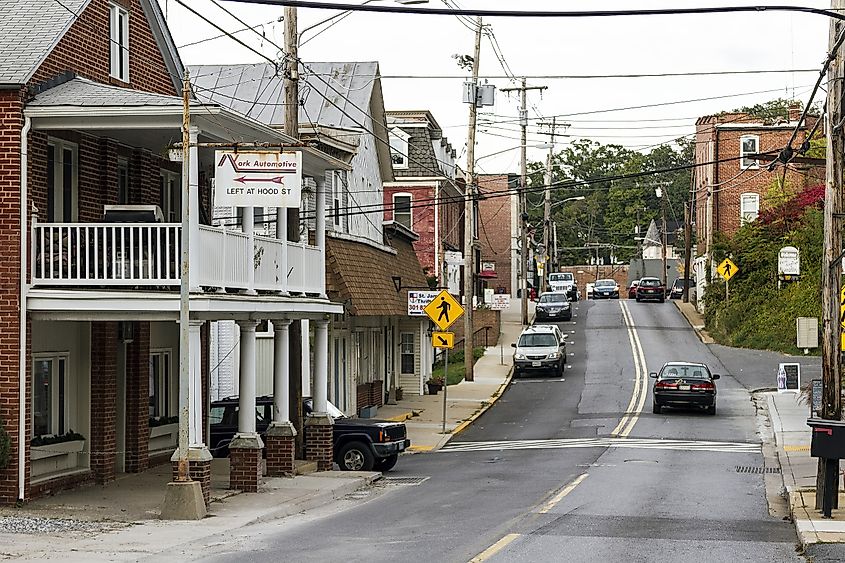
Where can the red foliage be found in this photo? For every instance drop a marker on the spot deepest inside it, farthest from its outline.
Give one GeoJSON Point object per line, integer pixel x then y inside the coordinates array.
{"type": "Point", "coordinates": [793, 209]}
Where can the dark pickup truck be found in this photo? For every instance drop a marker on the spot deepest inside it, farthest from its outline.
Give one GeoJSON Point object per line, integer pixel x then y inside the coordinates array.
{"type": "Point", "coordinates": [360, 444]}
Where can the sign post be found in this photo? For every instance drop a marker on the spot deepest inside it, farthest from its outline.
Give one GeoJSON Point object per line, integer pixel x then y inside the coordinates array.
{"type": "Point", "coordinates": [444, 310]}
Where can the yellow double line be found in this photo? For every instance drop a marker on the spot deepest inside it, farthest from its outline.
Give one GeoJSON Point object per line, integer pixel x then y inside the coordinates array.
{"type": "Point", "coordinates": [635, 406]}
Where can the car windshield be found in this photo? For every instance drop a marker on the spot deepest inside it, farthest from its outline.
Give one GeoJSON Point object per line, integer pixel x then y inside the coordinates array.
{"type": "Point", "coordinates": [553, 298]}
{"type": "Point", "coordinates": [605, 283]}
{"type": "Point", "coordinates": [537, 340]}
{"type": "Point", "coordinates": [649, 283]}
{"type": "Point", "coordinates": [684, 371]}
{"type": "Point", "coordinates": [561, 277]}
{"type": "Point", "coordinates": [679, 283]}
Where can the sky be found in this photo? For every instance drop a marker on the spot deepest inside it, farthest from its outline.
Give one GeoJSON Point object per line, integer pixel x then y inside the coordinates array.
{"type": "Point", "coordinates": [424, 46]}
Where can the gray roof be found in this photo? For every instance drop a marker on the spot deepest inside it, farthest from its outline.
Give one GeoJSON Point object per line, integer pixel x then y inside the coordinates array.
{"type": "Point", "coordinates": [29, 29]}
{"type": "Point", "coordinates": [257, 90]}
{"type": "Point", "coordinates": [82, 92]}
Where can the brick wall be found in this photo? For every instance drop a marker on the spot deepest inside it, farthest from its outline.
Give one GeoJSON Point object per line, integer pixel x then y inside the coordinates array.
{"type": "Point", "coordinates": [84, 49]}
{"type": "Point", "coordinates": [494, 231]}
{"type": "Point", "coordinates": [481, 318]}
{"type": "Point", "coordinates": [103, 400]}
{"type": "Point", "coordinates": [138, 400]}
{"type": "Point", "coordinates": [422, 220]}
{"type": "Point", "coordinates": [318, 445]}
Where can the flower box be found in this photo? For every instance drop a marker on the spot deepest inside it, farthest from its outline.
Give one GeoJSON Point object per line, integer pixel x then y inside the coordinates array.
{"type": "Point", "coordinates": [52, 459]}
{"type": "Point", "coordinates": [157, 431]}
{"type": "Point", "coordinates": [53, 450]}
{"type": "Point", "coordinates": [164, 437]}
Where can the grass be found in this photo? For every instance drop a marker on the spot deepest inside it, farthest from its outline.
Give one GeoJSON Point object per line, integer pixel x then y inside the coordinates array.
{"type": "Point", "coordinates": [457, 366]}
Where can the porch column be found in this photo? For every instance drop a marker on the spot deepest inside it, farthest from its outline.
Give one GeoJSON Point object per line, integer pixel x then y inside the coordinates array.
{"type": "Point", "coordinates": [249, 231]}
{"type": "Point", "coordinates": [318, 426]}
{"type": "Point", "coordinates": [281, 435]}
{"type": "Point", "coordinates": [194, 211]}
{"type": "Point", "coordinates": [245, 448]}
{"type": "Point", "coordinates": [282, 236]}
{"type": "Point", "coordinates": [320, 233]}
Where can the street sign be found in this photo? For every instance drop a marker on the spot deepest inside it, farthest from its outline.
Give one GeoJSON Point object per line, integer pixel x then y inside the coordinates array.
{"type": "Point", "coordinates": [443, 340]}
{"type": "Point", "coordinates": [417, 300]}
{"type": "Point", "coordinates": [789, 263]}
{"type": "Point", "coordinates": [444, 310]}
{"type": "Point", "coordinates": [258, 179]}
{"type": "Point", "coordinates": [500, 301]}
{"type": "Point", "coordinates": [789, 378]}
{"type": "Point", "coordinates": [727, 269]}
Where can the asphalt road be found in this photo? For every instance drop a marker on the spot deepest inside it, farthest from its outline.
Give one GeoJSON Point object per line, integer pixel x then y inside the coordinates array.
{"type": "Point", "coordinates": [571, 469]}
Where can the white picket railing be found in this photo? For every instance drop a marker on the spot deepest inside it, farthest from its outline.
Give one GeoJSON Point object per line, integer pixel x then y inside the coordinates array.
{"type": "Point", "coordinates": [132, 254]}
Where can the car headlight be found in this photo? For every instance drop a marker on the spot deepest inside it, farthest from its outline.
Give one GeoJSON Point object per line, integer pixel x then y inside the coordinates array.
{"type": "Point", "coordinates": [519, 356]}
{"type": "Point", "coordinates": [554, 355]}
{"type": "Point", "coordinates": [564, 306]}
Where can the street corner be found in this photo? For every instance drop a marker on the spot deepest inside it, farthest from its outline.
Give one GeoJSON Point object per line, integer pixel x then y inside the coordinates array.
{"type": "Point", "coordinates": [811, 527]}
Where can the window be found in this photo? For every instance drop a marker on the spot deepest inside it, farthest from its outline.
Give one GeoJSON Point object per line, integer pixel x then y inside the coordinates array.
{"type": "Point", "coordinates": [163, 385]}
{"type": "Point", "coordinates": [62, 185]}
{"type": "Point", "coordinates": [748, 144]}
{"type": "Point", "coordinates": [337, 194]}
{"type": "Point", "coordinates": [170, 201]}
{"type": "Point", "coordinates": [49, 395]}
{"type": "Point", "coordinates": [399, 148]}
{"type": "Point", "coordinates": [406, 350]}
{"type": "Point", "coordinates": [122, 181]}
{"type": "Point", "coordinates": [119, 42]}
{"type": "Point", "coordinates": [402, 210]}
{"type": "Point", "coordinates": [749, 207]}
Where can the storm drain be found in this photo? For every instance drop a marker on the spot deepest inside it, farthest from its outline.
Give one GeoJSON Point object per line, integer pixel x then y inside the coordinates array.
{"type": "Point", "coordinates": [404, 480]}
{"type": "Point", "coordinates": [756, 469]}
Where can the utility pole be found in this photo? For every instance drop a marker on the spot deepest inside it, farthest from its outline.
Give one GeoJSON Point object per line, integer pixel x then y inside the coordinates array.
{"type": "Point", "coordinates": [687, 249]}
{"type": "Point", "coordinates": [827, 477]}
{"type": "Point", "coordinates": [663, 235]}
{"type": "Point", "coordinates": [547, 205]}
{"type": "Point", "coordinates": [291, 217]}
{"type": "Point", "coordinates": [469, 215]}
{"type": "Point", "coordinates": [523, 206]}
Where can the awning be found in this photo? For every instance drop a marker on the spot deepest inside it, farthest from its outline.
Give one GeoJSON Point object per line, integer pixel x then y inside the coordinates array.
{"type": "Point", "coordinates": [487, 274]}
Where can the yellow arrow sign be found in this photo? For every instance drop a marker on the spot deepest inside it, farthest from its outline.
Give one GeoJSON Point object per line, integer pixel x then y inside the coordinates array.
{"type": "Point", "coordinates": [444, 310]}
{"type": "Point", "coordinates": [443, 340]}
{"type": "Point", "coordinates": [727, 269]}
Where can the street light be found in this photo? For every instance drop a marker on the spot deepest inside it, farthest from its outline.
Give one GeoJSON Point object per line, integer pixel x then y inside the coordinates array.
{"type": "Point", "coordinates": [342, 15]}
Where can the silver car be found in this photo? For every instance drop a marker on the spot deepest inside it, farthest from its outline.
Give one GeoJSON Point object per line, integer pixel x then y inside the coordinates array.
{"type": "Point", "coordinates": [541, 348]}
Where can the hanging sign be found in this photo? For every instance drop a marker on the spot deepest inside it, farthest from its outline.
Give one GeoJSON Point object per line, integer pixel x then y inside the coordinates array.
{"type": "Point", "coordinates": [258, 179]}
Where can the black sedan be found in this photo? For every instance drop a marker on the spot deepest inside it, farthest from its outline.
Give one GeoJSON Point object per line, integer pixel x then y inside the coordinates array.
{"type": "Point", "coordinates": [606, 289]}
{"type": "Point", "coordinates": [554, 306]}
{"type": "Point", "coordinates": [651, 289]}
{"type": "Point", "coordinates": [684, 384]}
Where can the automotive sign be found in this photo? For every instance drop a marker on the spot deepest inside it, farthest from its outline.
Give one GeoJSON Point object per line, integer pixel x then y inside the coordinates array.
{"type": "Point", "coordinates": [417, 300]}
{"type": "Point", "coordinates": [258, 179]}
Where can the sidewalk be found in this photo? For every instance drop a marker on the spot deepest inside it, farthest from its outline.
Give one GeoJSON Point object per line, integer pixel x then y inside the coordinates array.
{"type": "Point", "coordinates": [466, 401]}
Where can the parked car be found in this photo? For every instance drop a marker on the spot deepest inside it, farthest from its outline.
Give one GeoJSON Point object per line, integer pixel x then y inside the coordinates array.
{"type": "Point", "coordinates": [684, 384]}
{"type": "Point", "coordinates": [651, 289]}
{"type": "Point", "coordinates": [564, 281]}
{"type": "Point", "coordinates": [677, 290]}
{"type": "Point", "coordinates": [553, 305]}
{"type": "Point", "coordinates": [607, 289]}
{"type": "Point", "coordinates": [632, 290]}
{"type": "Point", "coordinates": [360, 444]}
{"type": "Point", "coordinates": [540, 348]}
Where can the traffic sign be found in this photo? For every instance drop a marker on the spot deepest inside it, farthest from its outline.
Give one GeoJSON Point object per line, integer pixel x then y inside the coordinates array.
{"type": "Point", "coordinates": [443, 340]}
{"type": "Point", "coordinates": [727, 269]}
{"type": "Point", "coordinates": [444, 310]}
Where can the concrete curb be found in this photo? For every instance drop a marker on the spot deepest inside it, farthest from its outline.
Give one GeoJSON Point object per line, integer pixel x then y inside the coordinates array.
{"type": "Point", "coordinates": [702, 334]}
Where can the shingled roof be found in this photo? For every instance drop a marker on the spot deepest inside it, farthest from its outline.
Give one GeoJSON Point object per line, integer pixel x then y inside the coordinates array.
{"type": "Point", "coordinates": [363, 275]}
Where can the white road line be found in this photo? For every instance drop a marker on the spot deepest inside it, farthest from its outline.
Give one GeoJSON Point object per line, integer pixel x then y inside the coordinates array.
{"type": "Point", "coordinates": [494, 549]}
{"type": "Point", "coordinates": [623, 422]}
{"type": "Point", "coordinates": [577, 443]}
{"type": "Point", "coordinates": [565, 491]}
{"type": "Point", "coordinates": [643, 374]}
{"type": "Point", "coordinates": [635, 406]}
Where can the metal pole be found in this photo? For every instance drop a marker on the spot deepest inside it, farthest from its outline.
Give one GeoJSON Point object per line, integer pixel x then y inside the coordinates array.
{"type": "Point", "coordinates": [547, 209]}
{"type": "Point", "coordinates": [687, 250]}
{"type": "Point", "coordinates": [523, 173]}
{"type": "Point", "coordinates": [184, 287]}
{"type": "Point", "coordinates": [469, 214]}
{"type": "Point", "coordinates": [445, 384]}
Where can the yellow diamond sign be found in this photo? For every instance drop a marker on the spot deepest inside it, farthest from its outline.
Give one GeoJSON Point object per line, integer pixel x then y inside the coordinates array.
{"type": "Point", "coordinates": [727, 269]}
{"type": "Point", "coordinates": [443, 340]}
{"type": "Point", "coordinates": [444, 310]}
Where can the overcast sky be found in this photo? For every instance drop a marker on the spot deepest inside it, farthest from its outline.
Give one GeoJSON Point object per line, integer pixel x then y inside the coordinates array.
{"type": "Point", "coordinates": [421, 45]}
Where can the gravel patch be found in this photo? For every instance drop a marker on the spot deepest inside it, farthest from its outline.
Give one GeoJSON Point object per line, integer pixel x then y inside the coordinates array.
{"type": "Point", "coordinates": [38, 525]}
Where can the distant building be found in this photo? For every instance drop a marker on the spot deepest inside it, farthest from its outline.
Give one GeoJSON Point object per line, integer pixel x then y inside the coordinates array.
{"type": "Point", "coordinates": [498, 233]}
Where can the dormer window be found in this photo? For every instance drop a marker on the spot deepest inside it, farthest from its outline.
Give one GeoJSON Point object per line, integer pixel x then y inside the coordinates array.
{"type": "Point", "coordinates": [119, 42]}
{"type": "Point", "coordinates": [399, 148]}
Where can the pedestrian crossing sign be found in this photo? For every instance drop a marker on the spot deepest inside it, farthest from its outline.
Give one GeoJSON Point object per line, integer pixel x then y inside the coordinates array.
{"type": "Point", "coordinates": [727, 269]}
{"type": "Point", "coordinates": [444, 310]}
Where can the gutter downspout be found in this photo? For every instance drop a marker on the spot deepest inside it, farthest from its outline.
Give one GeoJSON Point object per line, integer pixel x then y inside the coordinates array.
{"type": "Point", "coordinates": [27, 124]}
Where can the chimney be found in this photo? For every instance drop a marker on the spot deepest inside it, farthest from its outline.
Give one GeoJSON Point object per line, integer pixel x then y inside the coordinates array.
{"type": "Point", "coordinates": [794, 111]}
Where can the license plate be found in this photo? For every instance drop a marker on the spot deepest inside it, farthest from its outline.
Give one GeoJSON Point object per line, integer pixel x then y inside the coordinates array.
{"type": "Point", "coordinates": [552, 314]}
{"type": "Point", "coordinates": [401, 446]}
{"type": "Point", "coordinates": [683, 387]}
{"type": "Point", "coordinates": [535, 364]}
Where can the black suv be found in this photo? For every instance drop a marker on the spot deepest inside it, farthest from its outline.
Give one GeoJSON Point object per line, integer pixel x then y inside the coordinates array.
{"type": "Point", "coordinates": [360, 444]}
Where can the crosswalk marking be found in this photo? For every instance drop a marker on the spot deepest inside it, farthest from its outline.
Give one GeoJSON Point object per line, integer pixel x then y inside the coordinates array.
{"type": "Point", "coordinates": [635, 443]}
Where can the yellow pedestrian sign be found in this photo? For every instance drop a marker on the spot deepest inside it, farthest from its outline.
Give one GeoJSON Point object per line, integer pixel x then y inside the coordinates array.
{"type": "Point", "coordinates": [443, 340]}
{"type": "Point", "coordinates": [727, 269]}
{"type": "Point", "coordinates": [444, 310]}
{"type": "Point", "coordinates": [842, 319]}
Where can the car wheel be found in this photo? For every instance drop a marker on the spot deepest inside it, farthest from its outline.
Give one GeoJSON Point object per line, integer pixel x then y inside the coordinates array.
{"type": "Point", "coordinates": [561, 368]}
{"type": "Point", "coordinates": [656, 408]}
{"type": "Point", "coordinates": [662, 299]}
{"type": "Point", "coordinates": [386, 463]}
{"type": "Point", "coordinates": [638, 299]}
{"type": "Point", "coordinates": [711, 410]}
{"type": "Point", "coordinates": [355, 456]}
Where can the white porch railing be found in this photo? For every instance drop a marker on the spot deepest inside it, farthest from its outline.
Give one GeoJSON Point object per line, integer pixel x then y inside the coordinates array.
{"type": "Point", "coordinates": [147, 254]}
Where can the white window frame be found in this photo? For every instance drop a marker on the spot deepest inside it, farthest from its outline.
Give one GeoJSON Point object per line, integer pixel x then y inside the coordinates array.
{"type": "Point", "coordinates": [119, 42]}
{"type": "Point", "coordinates": [170, 184]}
{"type": "Point", "coordinates": [407, 341]}
{"type": "Point", "coordinates": [747, 163]}
{"type": "Point", "coordinates": [749, 214]}
{"type": "Point", "coordinates": [60, 206]}
{"type": "Point", "coordinates": [166, 392]}
{"type": "Point", "coordinates": [410, 211]}
{"type": "Point", "coordinates": [399, 148]}
{"type": "Point", "coordinates": [60, 420]}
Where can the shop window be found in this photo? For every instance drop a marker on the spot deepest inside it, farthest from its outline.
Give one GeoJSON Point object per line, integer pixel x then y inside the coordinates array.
{"type": "Point", "coordinates": [49, 395]}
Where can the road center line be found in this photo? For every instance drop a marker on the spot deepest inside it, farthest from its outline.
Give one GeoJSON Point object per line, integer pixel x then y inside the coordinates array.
{"type": "Point", "coordinates": [565, 491]}
{"type": "Point", "coordinates": [644, 375]}
{"type": "Point", "coordinates": [494, 549]}
{"type": "Point", "coordinates": [635, 406]}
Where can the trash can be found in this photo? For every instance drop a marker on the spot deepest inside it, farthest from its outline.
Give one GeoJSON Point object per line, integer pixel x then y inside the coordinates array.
{"type": "Point", "coordinates": [828, 439]}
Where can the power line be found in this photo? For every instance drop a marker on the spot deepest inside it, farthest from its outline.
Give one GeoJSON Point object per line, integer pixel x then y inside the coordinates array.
{"type": "Point", "coordinates": [222, 35]}
{"type": "Point", "coordinates": [601, 76]}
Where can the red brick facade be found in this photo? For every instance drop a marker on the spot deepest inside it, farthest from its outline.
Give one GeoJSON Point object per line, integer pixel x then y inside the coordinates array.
{"type": "Point", "coordinates": [138, 400]}
{"type": "Point", "coordinates": [494, 232]}
{"type": "Point", "coordinates": [245, 469]}
{"type": "Point", "coordinates": [103, 400]}
{"type": "Point", "coordinates": [197, 471]}
{"type": "Point", "coordinates": [318, 443]}
{"type": "Point", "coordinates": [280, 455]}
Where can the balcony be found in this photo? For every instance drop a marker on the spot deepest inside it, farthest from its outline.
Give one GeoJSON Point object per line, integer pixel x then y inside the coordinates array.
{"type": "Point", "coordinates": [106, 255]}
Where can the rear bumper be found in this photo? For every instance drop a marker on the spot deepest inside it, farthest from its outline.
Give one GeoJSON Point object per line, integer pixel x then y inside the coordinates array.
{"type": "Point", "coordinates": [700, 399]}
{"type": "Point", "coordinates": [391, 448]}
{"type": "Point", "coordinates": [650, 296]}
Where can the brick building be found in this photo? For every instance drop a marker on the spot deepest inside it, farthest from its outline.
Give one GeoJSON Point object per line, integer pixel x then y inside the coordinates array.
{"type": "Point", "coordinates": [498, 232]}
{"type": "Point", "coordinates": [90, 101]}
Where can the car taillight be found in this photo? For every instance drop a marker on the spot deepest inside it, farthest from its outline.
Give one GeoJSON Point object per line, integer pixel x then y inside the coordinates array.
{"type": "Point", "coordinates": [706, 386]}
{"type": "Point", "coordinates": [666, 385]}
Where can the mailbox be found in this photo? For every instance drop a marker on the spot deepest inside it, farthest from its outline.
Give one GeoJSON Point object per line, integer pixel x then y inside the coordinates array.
{"type": "Point", "coordinates": [828, 439]}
